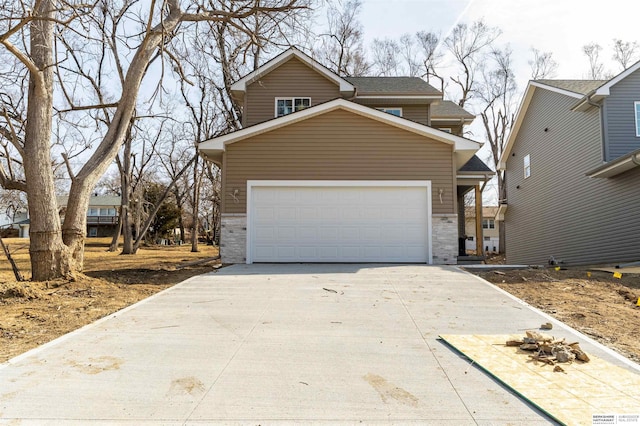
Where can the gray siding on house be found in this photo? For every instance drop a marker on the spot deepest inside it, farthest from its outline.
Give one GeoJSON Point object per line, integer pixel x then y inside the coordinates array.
{"type": "Point", "coordinates": [558, 211]}
{"type": "Point", "coordinates": [619, 118]}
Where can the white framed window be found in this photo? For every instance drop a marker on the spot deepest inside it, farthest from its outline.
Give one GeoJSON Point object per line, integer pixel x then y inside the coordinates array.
{"type": "Point", "coordinates": [93, 211]}
{"type": "Point", "coordinates": [636, 108]}
{"type": "Point", "coordinates": [446, 129]}
{"type": "Point", "coordinates": [487, 238]}
{"type": "Point", "coordinates": [527, 166]}
{"type": "Point", "coordinates": [470, 238]}
{"type": "Point", "coordinates": [391, 110]}
{"type": "Point", "coordinates": [93, 232]}
{"type": "Point", "coordinates": [286, 106]}
{"type": "Point", "coordinates": [488, 224]}
{"type": "Point", "coordinates": [107, 211]}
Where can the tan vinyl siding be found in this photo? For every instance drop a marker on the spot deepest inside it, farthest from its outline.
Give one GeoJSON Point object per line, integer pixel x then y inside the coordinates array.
{"type": "Point", "coordinates": [291, 79]}
{"type": "Point", "coordinates": [558, 211]}
{"type": "Point", "coordinates": [339, 145]}
{"type": "Point", "coordinates": [417, 113]}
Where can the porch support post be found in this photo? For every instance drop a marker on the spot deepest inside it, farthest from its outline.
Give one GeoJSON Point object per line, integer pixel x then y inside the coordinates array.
{"type": "Point", "coordinates": [479, 236]}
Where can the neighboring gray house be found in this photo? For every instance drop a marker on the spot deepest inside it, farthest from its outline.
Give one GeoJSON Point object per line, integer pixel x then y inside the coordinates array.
{"type": "Point", "coordinates": [572, 166]}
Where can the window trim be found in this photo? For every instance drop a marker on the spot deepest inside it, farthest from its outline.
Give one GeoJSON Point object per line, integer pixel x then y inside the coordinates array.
{"type": "Point", "coordinates": [491, 224]}
{"type": "Point", "coordinates": [527, 165]}
{"type": "Point", "coordinates": [636, 114]}
{"type": "Point", "coordinates": [293, 104]}
{"type": "Point", "coordinates": [385, 109]}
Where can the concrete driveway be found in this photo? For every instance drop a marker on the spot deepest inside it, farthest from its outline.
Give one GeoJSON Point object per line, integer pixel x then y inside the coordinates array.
{"type": "Point", "coordinates": [265, 344]}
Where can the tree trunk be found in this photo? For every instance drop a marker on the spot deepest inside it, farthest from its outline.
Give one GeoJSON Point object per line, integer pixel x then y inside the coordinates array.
{"type": "Point", "coordinates": [125, 183]}
{"type": "Point", "coordinates": [116, 235]}
{"type": "Point", "coordinates": [50, 258]}
{"type": "Point", "coordinates": [197, 180]}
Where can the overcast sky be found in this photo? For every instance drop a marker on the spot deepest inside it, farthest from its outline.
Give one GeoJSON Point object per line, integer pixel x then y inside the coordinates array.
{"type": "Point", "coordinates": [559, 26]}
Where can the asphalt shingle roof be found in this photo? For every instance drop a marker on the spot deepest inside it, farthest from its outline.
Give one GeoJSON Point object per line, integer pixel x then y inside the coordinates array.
{"type": "Point", "coordinates": [392, 86]}
{"type": "Point", "coordinates": [475, 164]}
{"type": "Point", "coordinates": [448, 109]}
{"type": "Point", "coordinates": [576, 86]}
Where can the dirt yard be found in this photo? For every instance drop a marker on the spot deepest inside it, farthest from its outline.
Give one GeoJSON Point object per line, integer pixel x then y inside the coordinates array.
{"type": "Point", "coordinates": [593, 302]}
{"type": "Point", "coordinates": [31, 314]}
{"type": "Point", "coordinates": [34, 313]}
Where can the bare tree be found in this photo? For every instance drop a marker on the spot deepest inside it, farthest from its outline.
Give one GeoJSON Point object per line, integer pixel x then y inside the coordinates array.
{"type": "Point", "coordinates": [409, 53]}
{"type": "Point", "coordinates": [498, 93]}
{"type": "Point", "coordinates": [542, 65]}
{"type": "Point", "coordinates": [432, 55]}
{"type": "Point", "coordinates": [342, 48]}
{"type": "Point", "coordinates": [468, 43]}
{"type": "Point", "coordinates": [28, 32]}
{"type": "Point", "coordinates": [386, 57]}
{"type": "Point", "coordinates": [625, 53]}
{"type": "Point", "coordinates": [596, 67]}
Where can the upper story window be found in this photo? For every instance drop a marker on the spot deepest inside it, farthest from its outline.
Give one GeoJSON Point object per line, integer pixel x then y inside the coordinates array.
{"type": "Point", "coordinates": [636, 106]}
{"type": "Point", "coordinates": [527, 166]}
{"type": "Point", "coordinates": [488, 224]}
{"type": "Point", "coordinates": [286, 106]}
{"type": "Point", "coordinates": [393, 111]}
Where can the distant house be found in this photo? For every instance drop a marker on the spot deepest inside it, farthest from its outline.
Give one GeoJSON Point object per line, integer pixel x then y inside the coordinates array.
{"type": "Point", "coordinates": [329, 168]}
{"type": "Point", "coordinates": [490, 229]}
{"type": "Point", "coordinates": [102, 214]}
{"type": "Point", "coordinates": [16, 224]}
{"type": "Point", "coordinates": [572, 172]}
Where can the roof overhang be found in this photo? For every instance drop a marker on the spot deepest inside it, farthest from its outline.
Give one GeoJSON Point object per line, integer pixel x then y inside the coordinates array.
{"type": "Point", "coordinates": [240, 86]}
{"type": "Point", "coordinates": [462, 147]}
{"type": "Point", "coordinates": [522, 112]}
{"type": "Point", "coordinates": [616, 167]}
{"type": "Point", "coordinates": [596, 96]}
{"type": "Point", "coordinates": [453, 120]}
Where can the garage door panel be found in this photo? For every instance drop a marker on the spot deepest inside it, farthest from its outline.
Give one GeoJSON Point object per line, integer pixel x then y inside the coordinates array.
{"type": "Point", "coordinates": [339, 224]}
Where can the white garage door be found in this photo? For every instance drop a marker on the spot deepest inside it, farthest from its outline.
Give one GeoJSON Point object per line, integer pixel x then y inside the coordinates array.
{"type": "Point", "coordinates": [326, 221]}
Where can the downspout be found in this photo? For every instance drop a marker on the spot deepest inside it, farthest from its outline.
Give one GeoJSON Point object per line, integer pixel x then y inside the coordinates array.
{"type": "Point", "coordinates": [593, 104]}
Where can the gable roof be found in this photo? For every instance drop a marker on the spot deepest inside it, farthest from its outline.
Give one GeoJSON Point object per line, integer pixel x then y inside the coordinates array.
{"type": "Point", "coordinates": [474, 165]}
{"type": "Point", "coordinates": [449, 110]}
{"type": "Point", "coordinates": [577, 86]}
{"type": "Point", "coordinates": [465, 147]}
{"type": "Point", "coordinates": [402, 86]}
{"type": "Point", "coordinates": [587, 92]}
{"type": "Point", "coordinates": [240, 86]}
{"type": "Point", "coordinates": [563, 87]}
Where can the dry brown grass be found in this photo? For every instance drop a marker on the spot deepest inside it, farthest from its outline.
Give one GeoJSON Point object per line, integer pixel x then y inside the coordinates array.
{"type": "Point", "coordinates": [33, 313]}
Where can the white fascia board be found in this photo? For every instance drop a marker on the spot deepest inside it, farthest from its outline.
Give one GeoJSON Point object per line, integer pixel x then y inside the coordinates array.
{"type": "Point", "coordinates": [400, 96]}
{"type": "Point", "coordinates": [605, 88]}
{"type": "Point", "coordinates": [453, 120]}
{"type": "Point", "coordinates": [556, 90]}
{"type": "Point", "coordinates": [459, 143]}
{"type": "Point", "coordinates": [241, 85]}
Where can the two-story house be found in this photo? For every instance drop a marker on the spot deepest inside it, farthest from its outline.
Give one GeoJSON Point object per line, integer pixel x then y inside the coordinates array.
{"type": "Point", "coordinates": [342, 169]}
{"type": "Point", "coordinates": [572, 172]}
{"type": "Point", "coordinates": [490, 229]}
{"type": "Point", "coordinates": [102, 214]}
